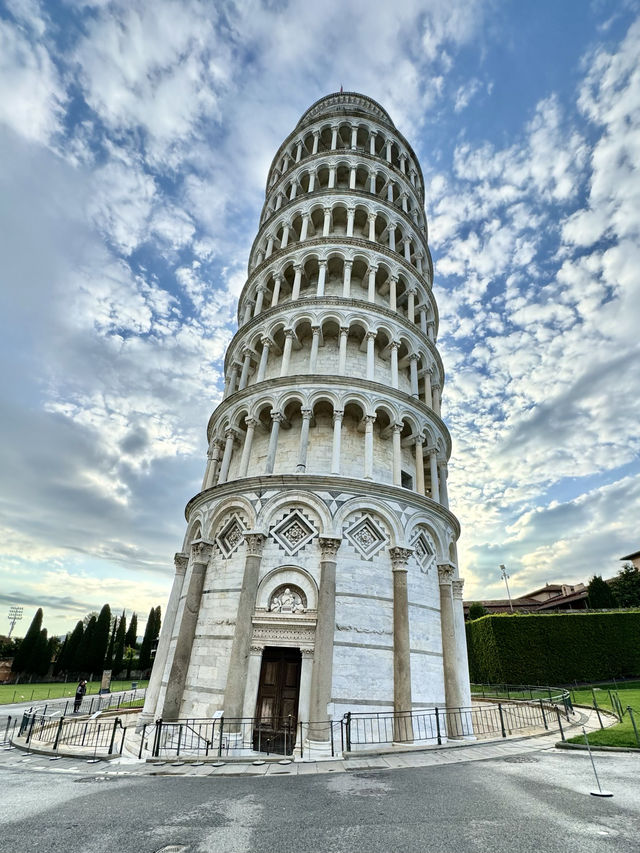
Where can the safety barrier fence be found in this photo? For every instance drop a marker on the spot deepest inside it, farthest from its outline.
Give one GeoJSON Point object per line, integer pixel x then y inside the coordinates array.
{"type": "Point", "coordinates": [51, 731]}
{"type": "Point", "coordinates": [520, 691]}
{"type": "Point", "coordinates": [225, 737]}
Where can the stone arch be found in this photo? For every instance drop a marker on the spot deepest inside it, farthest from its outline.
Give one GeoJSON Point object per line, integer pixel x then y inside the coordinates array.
{"type": "Point", "coordinates": [297, 500]}
{"type": "Point", "coordinates": [376, 507]}
{"type": "Point", "coordinates": [287, 574]}
{"type": "Point", "coordinates": [238, 503]}
{"type": "Point", "coordinates": [421, 519]}
{"type": "Point", "coordinates": [194, 532]}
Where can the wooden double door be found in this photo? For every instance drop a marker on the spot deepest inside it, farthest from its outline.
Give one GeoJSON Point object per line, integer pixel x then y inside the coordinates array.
{"type": "Point", "coordinates": [276, 716]}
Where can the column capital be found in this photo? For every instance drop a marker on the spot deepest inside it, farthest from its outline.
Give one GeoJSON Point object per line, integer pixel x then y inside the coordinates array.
{"type": "Point", "coordinates": [305, 214]}
{"type": "Point", "coordinates": [412, 288]}
{"type": "Point", "coordinates": [400, 558]}
{"type": "Point", "coordinates": [372, 215]}
{"type": "Point", "coordinates": [351, 208]}
{"type": "Point", "coordinates": [315, 330]}
{"type": "Point", "coordinates": [436, 386]}
{"type": "Point", "coordinates": [446, 571]}
{"type": "Point", "coordinates": [251, 422]}
{"type": "Point", "coordinates": [371, 336]}
{"type": "Point", "coordinates": [289, 333]}
{"type": "Point", "coordinates": [266, 341]}
{"type": "Point", "coordinates": [414, 356]}
{"type": "Point", "coordinates": [344, 330]}
{"type": "Point", "coordinates": [316, 134]}
{"type": "Point", "coordinates": [245, 351]}
{"type": "Point", "coordinates": [322, 263]}
{"type": "Point", "coordinates": [369, 419]}
{"type": "Point", "coordinates": [201, 551]}
{"type": "Point", "coordinates": [297, 266]}
{"type": "Point", "coordinates": [457, 586]}
{"type": "Point", "coordinates": [394, 344]}
{"type": "Point", "coordinates": [307, 653]}
{"type": "Point", "coordinates": [328, 547]}
{"type": "Point", "coordinates": [348, 262]}
{"type": "Point", "coordinates": [230, 432]}
{"type": "Point", "coordinates": [306, 414]}
{"type": "Point", "coordinates": [338, 414]}
{"type": "Point", "coordinates": [277, 417]}
{"type": "Point", "coordinates": [418, 440]}
{"type": "Point", "coordinates": [397, 427]}
{"type": "Point", "coordinates": [256, 650]}
{"type": "Point", "coordinates": [261, 289]}
{"type": "Point", "coordinates": [254, 541]}
{"type": "Point", "coordinates": [180, 561]}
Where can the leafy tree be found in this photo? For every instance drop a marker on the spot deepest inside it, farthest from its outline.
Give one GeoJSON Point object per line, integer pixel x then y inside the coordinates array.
{"type": "Point", "coordinates": [26, 653]}
{"type": "Point", "coordinates": [476, 610]}
{"type": "Point", "coordinates": [600, 595]}
{"type": "Point", "coordinates": [100, 640]}
{"type": "Point", "coordinates": [626, 586]}
{"type": "Point", "coordinates": [151, 633]}
{"type": "Point", "coordinates": [9, 646]}
{"type": "Point", "coordinates": [129, 656]}
{"type": "Point", "coordinates": [132, 632]}
{"type": "Point", "coordinates": [118, 653]}
{"type": "Point", "coordinates": [71, 659]}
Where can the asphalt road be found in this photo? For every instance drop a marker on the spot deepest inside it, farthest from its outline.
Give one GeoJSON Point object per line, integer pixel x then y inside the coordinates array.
{"type": "Point", "coordinates": [538, 802]}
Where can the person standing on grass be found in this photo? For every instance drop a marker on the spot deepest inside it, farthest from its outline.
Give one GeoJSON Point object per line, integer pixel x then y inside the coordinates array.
{"type": "Point", "coordinates": [81, 689]}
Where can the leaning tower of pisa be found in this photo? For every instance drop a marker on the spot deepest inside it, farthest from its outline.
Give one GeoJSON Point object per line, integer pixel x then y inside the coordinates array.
{"type": "Point", "coordinates": [318, 573]}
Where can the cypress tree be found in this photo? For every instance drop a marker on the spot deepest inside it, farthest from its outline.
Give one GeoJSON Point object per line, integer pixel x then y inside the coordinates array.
{"type": "Point", "coordinates": [108, 661]}
{"type": "Point", "coordinates": [61, 658]}
{"type": "Point", "coordinates": [75, 642]}
{"type": "Point", "coordinates": [25, 655]}
{"type": "Point", "coordinates": [150, 635]}
{"type": "Point", "coordinates": [41, 655]}
{"type": "Point", "coordinates": [84, 657]}
{"type": "Point", "coordinates": [100, 640]}
{"type": "Point", "coordinates": [131, 638]}
{"type": "Point", "coordinates": [118, 653]}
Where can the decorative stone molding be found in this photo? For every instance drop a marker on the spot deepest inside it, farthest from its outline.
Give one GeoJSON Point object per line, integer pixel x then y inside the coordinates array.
{"type": "Point", "coordinates": [367, 537]}
{"type": "Point", "coordinates": [288, 599]}
{"type": "Point", "coordinates": [457, 586]}
{"type": "Point", "coordinates": [293, 532]}
{"type": "Point", "coordinates": [181, 561]}
{"type": "Point", "coordinates": [400, 558]}
{"type": "Point", "coordinates": [231, 536]}
{"type": "Point", "coordinates": [255, 543]}
{"type": "Point", "coordinates": [201, 551]}
{"type": "Point", "coordinates": [446, 573]}
{"type": "Point", "coordinates": [329, 547]}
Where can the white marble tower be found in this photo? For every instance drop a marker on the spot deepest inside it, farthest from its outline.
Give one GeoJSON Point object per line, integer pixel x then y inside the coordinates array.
{"type": "Point", "coordinates": [319, 572]}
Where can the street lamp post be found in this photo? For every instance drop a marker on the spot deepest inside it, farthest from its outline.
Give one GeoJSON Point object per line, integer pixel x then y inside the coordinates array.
{"type": "Point", "coordinates": [505, 576]}
{"type": "Point", "coordinates": [15, 615]}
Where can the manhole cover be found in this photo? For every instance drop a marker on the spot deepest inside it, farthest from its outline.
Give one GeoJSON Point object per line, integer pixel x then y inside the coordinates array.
{"type": "Point", "coordinates": [522, 759]}
{"type": "Point", "coordinates": [173, 848]}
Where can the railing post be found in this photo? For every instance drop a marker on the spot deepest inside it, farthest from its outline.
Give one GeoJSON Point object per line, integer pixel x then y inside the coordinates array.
{"type": "Point", "coordinates": [597, 710]}
{"type": "Point", "coordinates": [544, 716]}
{"type": "Point", "coordinates": [156, 739]}
{"type": "Point", "coordinates": [33, 720]}
{"type": "Point", "coordinates": [347, 718]}
{"type": "Point", "coordinates": [113, 733]}
{"type": "Point", "coordinates": [559, 722]}
{"type": "Point", "coordinates": [438, 727]}
{"type": "Point", "coordinates": [58, 733]}
{"type": "Point", "coordinates": [144, 729]}
{"type": "Point", "coordinates": [633, 723]}
{"type": "Point", "coordinates": [504, 733]}
{"type": "Point", "coordinates": [221, 730]}
{"type": "Point", "coordinates": [332, 745]}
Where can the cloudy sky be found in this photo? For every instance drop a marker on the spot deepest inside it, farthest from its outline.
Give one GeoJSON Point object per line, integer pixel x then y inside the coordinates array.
{"type": "Point", "coordinates": [135, 139]}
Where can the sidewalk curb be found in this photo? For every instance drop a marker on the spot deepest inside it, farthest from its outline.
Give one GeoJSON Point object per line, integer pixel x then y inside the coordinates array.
{"type": "Point", "coordinates": [594, 748]}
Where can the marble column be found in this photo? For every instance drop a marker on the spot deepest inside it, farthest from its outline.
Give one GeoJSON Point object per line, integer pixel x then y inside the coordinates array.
{"type": "Point", "coordinates": [213, 458]}
{"type": "Point", "coordinates": [259, 300]}
{"type": "Point", "coordinates": [368, 446]}
{"type": "Point", "coordinates": [442, 478]}
{"type": "Point", "coordinates": [149, 711]}
{"type": "Point", "coordinates": [277, 281]}
{"type": "Point", "coordinates": [342, 352]}
{"type": "Point", "coordinates": [286, 353]}
{"type": "Point", "coordinates": [419, 466]}
{"type": "Point", "coordinates": [393, 289]}
{"type": "Point", "coordinates": [264, 358]}
{"type": "Point", "coordinates": [393, 347]}
{"type": "Point", "coordinates": [301, 467]}
{"type": "Point", "coordinates": [315, 343]}
{"type": "Point", "coordinates": [326, 225]}
{"type": "Point", "coordinates": [402, 724]}
{"type": "Point", "coordinates": [427, 388]}
{"type": "Point", "coordinates": [371, 352]}
{"type": "Point", "coordinates": [251, 423]}
{"type": "Point", "coordinates": [229, 435]}
{"type": "Point", "coordinates": [246, 364]}
{"type": "Point", "coordinates": [454, 695]}
{"type": "Point", "coordinates": [351, 212]}
{"type": "Point", "coordinates": [433, 469]}
{"type": "Point", "coordinates": [304, 698]}
{"type": "Point", "coordinates": [316, 139]}
{"type": "Point", "coordinates": [462, 660]}
{"type": "Point", "coordinates": [413, 373]}
{"type": "Point", "coordinates": [371, 294]}
{"type": "Point", "coordinates": [435, 391]}
{"type": "Point", "coordinates": [411, 305]}
{"type": "Point", "coordinates": [200, 555]}
{"type": "Point", "coordinates": [239, 657]}
{"type": "Point", "coordinates": [297, 280]}
{"type": "Point", "coordinates": [323, 650]}
{"type": "Point", "coordinates": [346, 284]}
{"type": "Point", "coordinates": [254, 665]}
{"type": "Point", "coordinates": [396, 429]}
{"type": "Point", "coordinates": [337, 434]}
{"type": "Point", "coordinates": [322, 275]}
{"type": "Point", "coordinates": [276, 420]}
{"type": "Point", "coordinates": [305, 227]}
{"type": "Point", "coordinates": [372, 227]}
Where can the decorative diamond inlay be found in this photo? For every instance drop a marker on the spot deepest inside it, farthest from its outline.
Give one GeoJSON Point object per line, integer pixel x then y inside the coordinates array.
{"type": "Point", "coordinates": [293, 532]}
{"type": "Point", "coordinates": [366, 537]}
{"type": "Point", "coordinates": [424, 552]}
{"type": "Point", "coordinates": [231, 536]}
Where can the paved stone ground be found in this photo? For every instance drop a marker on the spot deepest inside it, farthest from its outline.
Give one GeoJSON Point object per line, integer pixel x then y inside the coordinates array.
{"type": "Point", "coordinates": [516, 795]}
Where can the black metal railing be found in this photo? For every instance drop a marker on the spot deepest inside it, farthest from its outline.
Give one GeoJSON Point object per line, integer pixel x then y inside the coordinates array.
{"type": "Point", "coordinates": [54, 732]}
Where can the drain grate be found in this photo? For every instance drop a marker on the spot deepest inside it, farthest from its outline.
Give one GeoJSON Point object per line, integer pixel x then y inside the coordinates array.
{"type": "Point", "coordinates": [522, 759]}
{"type": "Point", "coordinates": [173, 848]}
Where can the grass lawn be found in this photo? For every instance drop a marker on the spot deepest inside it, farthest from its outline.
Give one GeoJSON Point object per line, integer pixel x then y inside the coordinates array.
{"type": "Point", "coordinates": [621, 734]}
{"type": "Point", "coordinates": [10, 693]}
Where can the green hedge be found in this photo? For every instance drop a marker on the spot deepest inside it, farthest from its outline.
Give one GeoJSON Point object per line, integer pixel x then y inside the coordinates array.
{"type": "Point", "coordinates": [554, 648]}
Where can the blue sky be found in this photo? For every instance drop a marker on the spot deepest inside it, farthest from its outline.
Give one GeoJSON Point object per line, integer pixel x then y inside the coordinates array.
{"type": "Point", "coordinates": [135, 139]}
